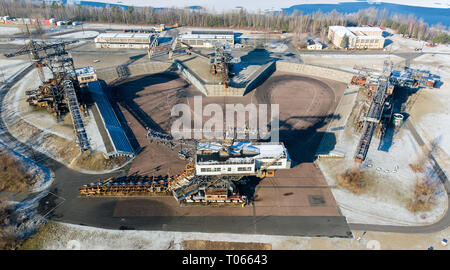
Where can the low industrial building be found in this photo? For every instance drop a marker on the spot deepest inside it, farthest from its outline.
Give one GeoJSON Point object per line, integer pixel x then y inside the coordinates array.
{"type": "Point", "coordinates": [313, 45]}
{"type": "Point", "coordinates": [358, 37]}
{"type": "Point", "coordinates": [207, 39]}
{"type": "Point", "coordinates": [213, 158]}
{"type": "Point", "coordinates": [124, 40]}
{"type": "Point", "coordinates": [86, 74]}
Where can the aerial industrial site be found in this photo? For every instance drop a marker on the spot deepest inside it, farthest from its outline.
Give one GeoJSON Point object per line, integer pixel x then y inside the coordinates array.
{"type": "Point", "coordinates": [285, 140]}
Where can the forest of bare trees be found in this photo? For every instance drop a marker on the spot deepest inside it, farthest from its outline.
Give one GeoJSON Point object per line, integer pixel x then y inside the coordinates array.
{"type": "Point", "coordinates": [316, 23]}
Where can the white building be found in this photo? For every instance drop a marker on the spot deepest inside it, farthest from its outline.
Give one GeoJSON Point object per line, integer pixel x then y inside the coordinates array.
{"type": "Point", "coordinates": [207, 39]}
{"type": "Point", "coordinates": [240, 158]}
{"type": "Point", "coordinates": [123, 40]}
{"type": "Point", "coordinates": [358, 37]}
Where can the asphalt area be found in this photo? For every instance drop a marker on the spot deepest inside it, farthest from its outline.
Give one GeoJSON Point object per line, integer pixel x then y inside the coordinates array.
{"type": "Point", "coordinates": [294, 202]}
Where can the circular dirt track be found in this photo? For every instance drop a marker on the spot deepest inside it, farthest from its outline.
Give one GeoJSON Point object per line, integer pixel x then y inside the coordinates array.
{"type": "Point", "coordinates": [305, 103]}
{"type": "Point", "coordinates": [145, 102]}
{"type": "Point", "coordinates": [306, 106]}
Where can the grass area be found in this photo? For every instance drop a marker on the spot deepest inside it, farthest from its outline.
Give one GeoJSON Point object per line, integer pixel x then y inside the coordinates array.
{"type": "Point", "coordinates": [13, 177]}
{"type": "Point", "coordinates": [37, 240]}
{"type": "Point", "coordinates": [8, 240]}
{"type": "Point", "coordinates": [423, 197]}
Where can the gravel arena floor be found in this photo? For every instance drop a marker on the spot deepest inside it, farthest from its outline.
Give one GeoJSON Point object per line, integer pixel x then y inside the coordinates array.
{"type": "Point", "coordinates": [306, 106]}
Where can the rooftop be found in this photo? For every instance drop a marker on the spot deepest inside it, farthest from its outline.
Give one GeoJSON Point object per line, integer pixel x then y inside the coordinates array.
{"type": "Point", "coordinates": [124, 35]}
{"type": "Point", "coordinates": [350, 31]}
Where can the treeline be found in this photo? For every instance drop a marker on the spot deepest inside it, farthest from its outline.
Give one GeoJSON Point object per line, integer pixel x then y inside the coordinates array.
{"type": "Point", "coordinates": [297, 22]}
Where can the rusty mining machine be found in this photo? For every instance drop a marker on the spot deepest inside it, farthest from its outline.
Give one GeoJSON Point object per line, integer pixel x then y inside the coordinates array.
{"type": "Point", "coordinates": [133, 185]}
{"type": "Point", "coordinates": [381, 85]}
{"type": "Point", "coordinates": [60, 93]}
{"type": "Point", "coordinates": [375, 112]}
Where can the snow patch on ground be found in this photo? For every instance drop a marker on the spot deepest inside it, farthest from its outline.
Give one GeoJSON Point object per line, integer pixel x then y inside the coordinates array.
{"type": "Point", "coordinates": [400, 43]}
{"type": "Point", "coordinates": [69, 236]}
{"type": "Point", "coordinates": [15, 41]}
{"type": "Point", "coordinates": [9, 69]}
{"type": "Point", "coordinates": [437, 128]}
{"type": "Point", "coordinates": [431, 112]}
{"type": "Point", "coordinates": [10, 30]}
{"type": "Point", "coordinates": [437, 64]}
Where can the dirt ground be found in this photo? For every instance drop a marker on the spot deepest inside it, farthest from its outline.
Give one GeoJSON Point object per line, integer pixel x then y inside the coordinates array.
{"type": "Point", "coordinates": [146, 102]}
{"type": "Point", "coordinates": [306, 105]}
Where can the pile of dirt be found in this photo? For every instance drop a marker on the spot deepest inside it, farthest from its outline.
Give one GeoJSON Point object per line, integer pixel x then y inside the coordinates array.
{"type": "Point", "coordinates": [217, 245]}
{"type": "Point", "coordinates": [423, 197]}
{"type": "Point", "coordinates": [13, 177]}
{"type": "Point", "coordinates": [354, 180]}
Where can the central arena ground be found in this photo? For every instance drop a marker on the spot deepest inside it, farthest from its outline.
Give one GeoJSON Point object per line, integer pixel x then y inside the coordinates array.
{"type": "Point", "coordinates": [306, 105]}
